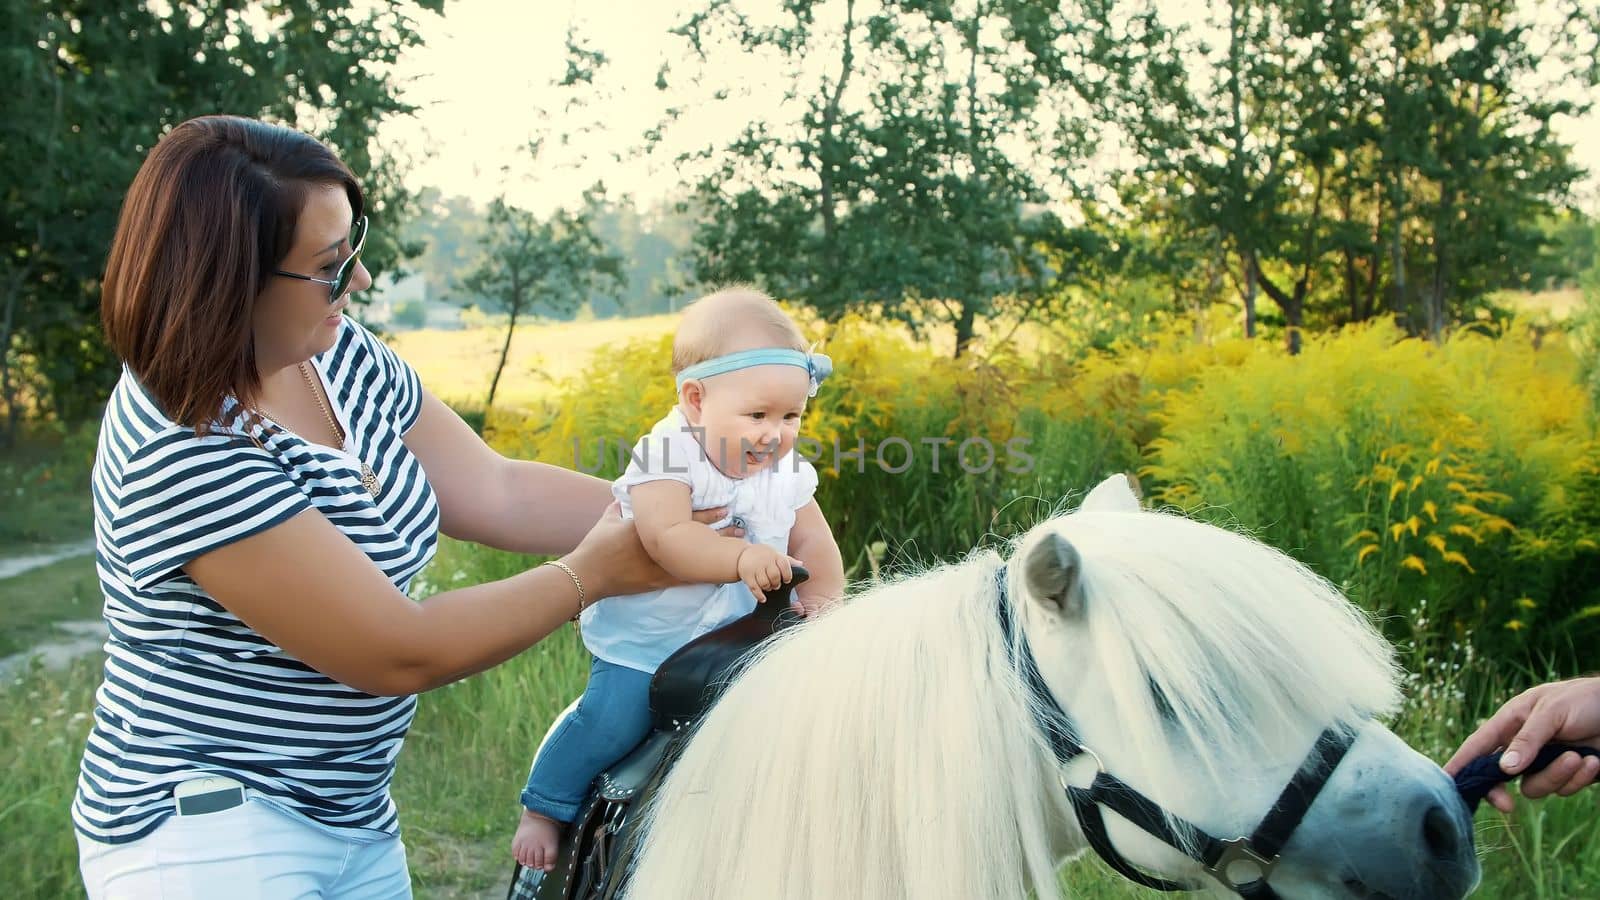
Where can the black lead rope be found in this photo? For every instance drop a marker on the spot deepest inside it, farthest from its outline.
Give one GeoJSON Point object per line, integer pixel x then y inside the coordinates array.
{"type": "Point", "coordinates": [1479, 777]}
{"type": "Point", "coordinates": [1243, 863]}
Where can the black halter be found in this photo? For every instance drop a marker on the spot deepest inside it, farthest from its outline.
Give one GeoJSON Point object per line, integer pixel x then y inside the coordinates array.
{"type": "Point", "coordinates": [1243, 863]}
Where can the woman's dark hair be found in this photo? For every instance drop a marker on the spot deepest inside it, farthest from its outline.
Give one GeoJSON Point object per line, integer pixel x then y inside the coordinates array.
{"type": "Point", "coordinates": [208, 218]}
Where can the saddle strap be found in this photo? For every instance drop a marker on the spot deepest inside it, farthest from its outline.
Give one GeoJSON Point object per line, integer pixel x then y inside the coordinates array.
{"type": "Point", "coordinates": [629, 837]}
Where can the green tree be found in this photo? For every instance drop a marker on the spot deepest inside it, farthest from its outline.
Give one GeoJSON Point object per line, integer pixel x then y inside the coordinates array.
{"type": "Point", "coordinates": [649, 242]}
{"type": "Point", "coordinates": [922, 169]}
{"type": "Point", "coordinates": [1342, 151]}
{"type": "Point", "coordinates": [449, 230]}
{"type": "Point", "coordinates": [1570, 251]}
{"type": "Point", "coordinates": [411, 314]}
{"type": "Point", "coordinates": [1469, 157]}
{"type": "Point", "coordinates": [93, 84]}
{"type": "Point", "coordinates": [1245, 131]}
{"type": "Point", "coordinates": [531, 263]}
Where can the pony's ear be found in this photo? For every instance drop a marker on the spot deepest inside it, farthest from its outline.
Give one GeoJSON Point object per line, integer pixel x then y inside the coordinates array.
{"type": "Point", "coordinates": [1051, 571]}
{"type": "Point", "coordinates": [1119, 493]}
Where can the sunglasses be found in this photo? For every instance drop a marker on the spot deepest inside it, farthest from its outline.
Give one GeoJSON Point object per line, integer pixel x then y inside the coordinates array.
{"type": "Point", "coordinates": [347, 269]}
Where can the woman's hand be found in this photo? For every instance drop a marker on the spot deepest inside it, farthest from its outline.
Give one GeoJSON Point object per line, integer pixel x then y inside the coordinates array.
{"type": "Point", "coordinates": [611, 560]}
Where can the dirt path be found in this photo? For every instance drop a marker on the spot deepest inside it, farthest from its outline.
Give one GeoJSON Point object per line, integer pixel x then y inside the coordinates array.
{"type": "Point", "coordinates": [77, 639]}
{"type": "Point", "coordinates": [73, 638]}
{"type": "Point", "coordinates": [12, 566]}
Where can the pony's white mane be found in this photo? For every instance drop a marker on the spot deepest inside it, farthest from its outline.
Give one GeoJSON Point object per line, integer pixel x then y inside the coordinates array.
{"type": "Point", "coordinates": [877, 751]}
{"type": "Point", "coordinates": [887, 748]}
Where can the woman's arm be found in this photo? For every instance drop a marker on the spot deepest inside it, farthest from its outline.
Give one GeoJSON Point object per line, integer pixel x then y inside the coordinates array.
{"type": "Point", "coordinates": [526, 507]}
{"type": "Point", "coordinates": [304, 586]}
{"type": "Point", "coordinates": [811, 541]}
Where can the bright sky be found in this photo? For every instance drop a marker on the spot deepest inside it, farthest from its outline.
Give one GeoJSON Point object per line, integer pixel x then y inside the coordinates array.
{"type": "Point", "coordinates": [483, 80]}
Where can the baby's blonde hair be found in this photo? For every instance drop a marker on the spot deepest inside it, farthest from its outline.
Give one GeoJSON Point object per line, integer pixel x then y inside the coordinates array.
{"type": "Point", "coordinates": [732, 318]}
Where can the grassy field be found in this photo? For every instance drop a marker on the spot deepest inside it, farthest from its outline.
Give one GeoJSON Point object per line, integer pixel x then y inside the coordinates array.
{"type": "Point", "coordinates": [44, 489]}
{"type": "Point", "coordinates": [31, 604]}
{"type": "Point", "coordinates": [458, 365]}
{"type": "Point", "coordinates": [469, 751]}
{"type": "Point", "coordinates": [1558, 304]}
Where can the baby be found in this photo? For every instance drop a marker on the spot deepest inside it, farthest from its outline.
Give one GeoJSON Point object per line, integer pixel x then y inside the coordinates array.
{"type": "Point", "coordinates": [744, 374]}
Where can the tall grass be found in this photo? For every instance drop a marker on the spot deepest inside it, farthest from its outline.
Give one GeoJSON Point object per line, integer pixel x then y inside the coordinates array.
{"type": "Point", "coordinates": [469, 751]}
{"type": "Point", "coordinates": [44, 718]}
{"type": "Point", "coordinates": [44, 487]}
{"type": "Point", "coordinates": [1453, 488]}
{"type": "Point", "coordinates": [1463, 477]}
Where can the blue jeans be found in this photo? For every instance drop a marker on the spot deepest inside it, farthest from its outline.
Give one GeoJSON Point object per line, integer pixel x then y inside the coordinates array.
{"type": "Point", "coordinates": [612, 717]}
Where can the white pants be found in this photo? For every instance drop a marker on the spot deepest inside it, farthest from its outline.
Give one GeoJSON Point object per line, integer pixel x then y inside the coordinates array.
{"type": "Point", "coordinates": [253, 851]}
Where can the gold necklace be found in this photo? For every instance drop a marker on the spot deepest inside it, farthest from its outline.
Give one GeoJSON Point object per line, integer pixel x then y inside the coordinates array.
{"type": "Point", "coordinates": [369, 479]}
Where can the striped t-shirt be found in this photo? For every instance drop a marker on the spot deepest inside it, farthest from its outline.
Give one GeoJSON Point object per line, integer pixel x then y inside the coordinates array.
{"type": "Point", "coordinates": [188, 687]}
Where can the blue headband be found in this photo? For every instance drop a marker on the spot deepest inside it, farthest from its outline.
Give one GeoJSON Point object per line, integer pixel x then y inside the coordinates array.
{"type": "Point", "coordinates": [818, 366]}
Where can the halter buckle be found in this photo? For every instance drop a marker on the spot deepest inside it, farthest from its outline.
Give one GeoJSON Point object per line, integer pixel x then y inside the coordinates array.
{"type": "Point", "coordinates": [1240, 864]}
{"type": "Point", "coordinates": [1075, 762]}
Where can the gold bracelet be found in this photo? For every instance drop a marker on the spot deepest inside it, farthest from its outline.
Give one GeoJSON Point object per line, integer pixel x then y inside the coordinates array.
{"type": "Point", "coordinates": [575, 583]}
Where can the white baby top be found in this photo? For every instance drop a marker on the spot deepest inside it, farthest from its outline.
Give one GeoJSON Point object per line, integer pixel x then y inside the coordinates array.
{"type": "Point", "coordinates": [641, 630]}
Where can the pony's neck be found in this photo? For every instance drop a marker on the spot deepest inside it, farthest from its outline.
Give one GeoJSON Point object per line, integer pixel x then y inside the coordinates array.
{"type": "Point", "coordinates": [883, 750]}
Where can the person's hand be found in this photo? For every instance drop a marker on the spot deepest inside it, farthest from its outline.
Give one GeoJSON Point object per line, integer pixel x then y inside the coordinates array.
{"type": "Point", "coordinates": [611, 560]}
{"type": "Point", "coordinates": [1566, 711]}
{"type": "Point", "coordinates": [764, 569]}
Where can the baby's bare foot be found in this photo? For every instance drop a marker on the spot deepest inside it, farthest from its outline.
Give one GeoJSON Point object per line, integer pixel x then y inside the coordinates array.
{"type": "Point", "coordinates": [536, 841]}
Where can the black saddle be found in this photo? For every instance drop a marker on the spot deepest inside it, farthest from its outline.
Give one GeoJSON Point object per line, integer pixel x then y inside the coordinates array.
{"type": "Point", "coordinates": [690, 680]}
{"type": "Point", "coordinates": [598, 848]}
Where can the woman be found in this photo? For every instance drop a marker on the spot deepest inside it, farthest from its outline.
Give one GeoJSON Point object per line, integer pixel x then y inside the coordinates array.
{"type": "Point", "coordinates": [268, 480]}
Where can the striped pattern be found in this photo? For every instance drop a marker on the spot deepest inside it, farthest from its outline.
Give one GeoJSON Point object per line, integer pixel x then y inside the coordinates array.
{"type": "Point", "coordinates": [188, 687]}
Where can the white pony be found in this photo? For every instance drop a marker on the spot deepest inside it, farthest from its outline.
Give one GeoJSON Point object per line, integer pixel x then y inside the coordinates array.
{"type": "Point", "coordinates": [890, 749]}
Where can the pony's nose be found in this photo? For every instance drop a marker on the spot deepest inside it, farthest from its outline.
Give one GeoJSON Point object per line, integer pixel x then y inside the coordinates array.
{"type": "Point", "coordinates": [1434, 861]}
{"type": "Point", "coordinates": [1444, 835]}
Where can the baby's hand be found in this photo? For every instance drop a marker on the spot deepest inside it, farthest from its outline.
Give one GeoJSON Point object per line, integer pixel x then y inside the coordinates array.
{"type": "Point", "coordinates": [764, 569]}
